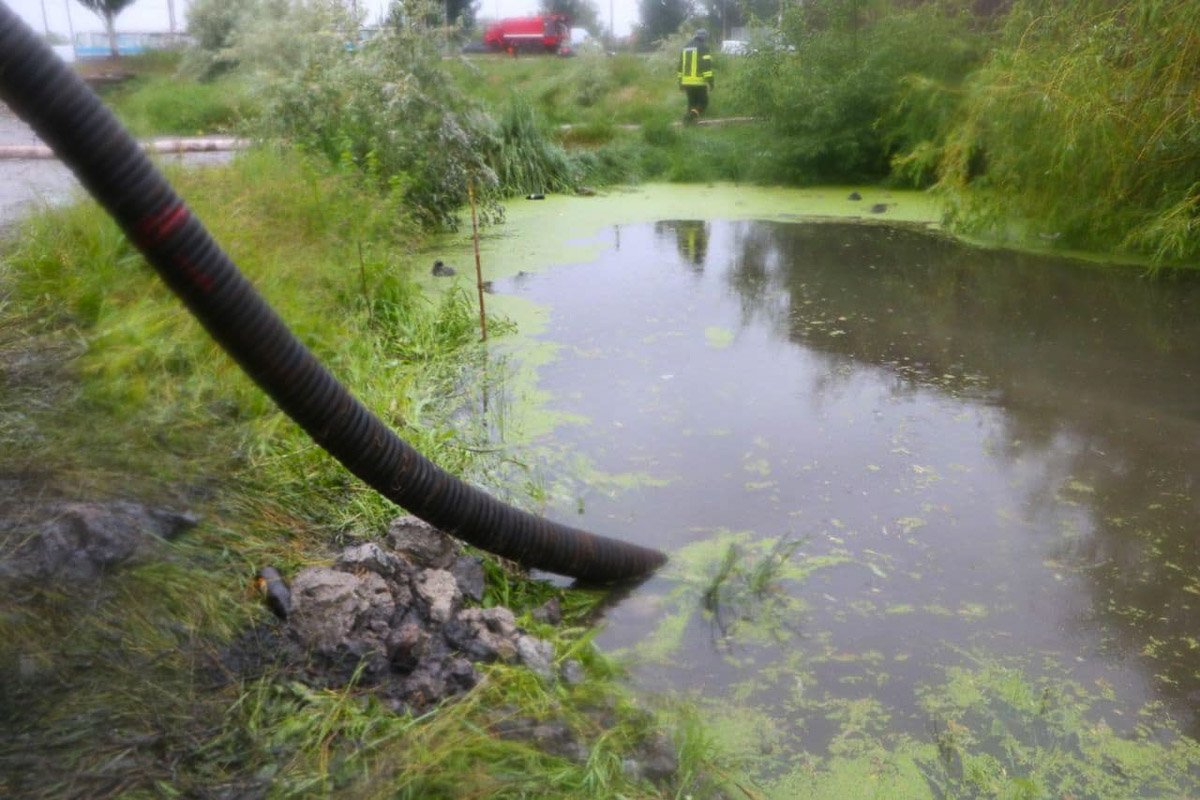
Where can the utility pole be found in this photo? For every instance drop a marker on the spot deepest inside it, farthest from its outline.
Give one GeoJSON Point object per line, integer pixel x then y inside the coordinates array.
{"type": "Point", "coordinates": [70, 26]}
{"type": "Point", "coordinates": [612, 30]}
{"type": "Point", "coordinates": [45, 23]}
{"type": "Point", "coordinates": [171, 15]}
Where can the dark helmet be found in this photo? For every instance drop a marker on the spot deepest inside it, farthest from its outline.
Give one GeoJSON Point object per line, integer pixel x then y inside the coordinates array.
{"type": "Point", "coordinates": [701, 34]}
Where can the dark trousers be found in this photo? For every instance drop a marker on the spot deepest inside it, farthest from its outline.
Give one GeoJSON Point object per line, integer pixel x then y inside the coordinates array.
{"type": "Point", "coordinates": [697, 97]}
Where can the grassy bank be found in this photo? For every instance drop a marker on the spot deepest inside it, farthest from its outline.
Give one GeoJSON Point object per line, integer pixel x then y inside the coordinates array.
{"type": "Point", "coordinates": [156, 99]}
{"type": "Point", "coordinates": [111, 391]}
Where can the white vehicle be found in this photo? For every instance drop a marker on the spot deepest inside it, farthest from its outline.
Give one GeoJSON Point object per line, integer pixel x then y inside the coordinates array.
{"type": "Point", "coordinates": [735, 47]}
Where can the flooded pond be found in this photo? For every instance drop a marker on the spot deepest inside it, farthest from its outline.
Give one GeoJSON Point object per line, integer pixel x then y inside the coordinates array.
{"type": "Point", "coordinates": [932, 510]}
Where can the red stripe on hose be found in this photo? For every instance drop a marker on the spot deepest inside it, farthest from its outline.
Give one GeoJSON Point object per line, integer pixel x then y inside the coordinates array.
{"type": "Point", "coordinates": [199, 279]}
{"type": "Point", "coordinates": [153, 228]}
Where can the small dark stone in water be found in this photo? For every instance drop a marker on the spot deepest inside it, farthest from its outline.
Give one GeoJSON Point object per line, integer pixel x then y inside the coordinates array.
{"type": "Point", "coordinates": [440, 270]}
{"type": "Point", "coordinates": [879, 208]}
{"type": "Point", "coordinates": [854, 196]}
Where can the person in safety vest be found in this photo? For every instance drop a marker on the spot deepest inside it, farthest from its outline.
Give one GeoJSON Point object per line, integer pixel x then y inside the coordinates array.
{"type": "Point", "coordinates": [696, 74]}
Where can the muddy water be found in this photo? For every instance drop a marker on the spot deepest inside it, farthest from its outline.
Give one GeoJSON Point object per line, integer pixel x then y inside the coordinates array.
{"type": "Point", "coordinates": [883, 461]}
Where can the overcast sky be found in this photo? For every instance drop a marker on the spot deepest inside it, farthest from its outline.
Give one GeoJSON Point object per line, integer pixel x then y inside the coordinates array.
{"type": "Point", "coordinates": [153, 15]}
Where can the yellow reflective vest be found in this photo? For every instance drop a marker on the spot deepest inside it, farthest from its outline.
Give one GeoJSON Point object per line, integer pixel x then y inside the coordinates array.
{"type": "Point", "coordinates": [695, 66]}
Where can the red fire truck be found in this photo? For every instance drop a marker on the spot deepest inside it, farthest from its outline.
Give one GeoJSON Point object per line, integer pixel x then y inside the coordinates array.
{"type": "Point", "coordinates": [547, 33]}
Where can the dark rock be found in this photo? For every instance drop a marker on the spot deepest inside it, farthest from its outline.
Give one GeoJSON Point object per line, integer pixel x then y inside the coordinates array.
{"type": "Point", "coordinates": [172, 524]}
{"type": "Point", "coordinates": [655, 759]}
{"type": "Point", "coordinates": [462, 673]}
{"type": "Point", "coordinates": [427, 684]}
{"type": "Point", "coordinates": [370, 557]}
{"type": "Point", "coordinates": [552, 736]}
{"type": "Point", "coordinates": [468, 573]}
{"type": "Point", "coordinates": [854, 196]}
{"type": "Point", "coordinates": [879, 208]}
{"type": "Point", "coordinates": [484, 634]}
{"type": "Point", "coordinates": [440, 270]}
{"type": "Point", "coordinates": [550, 612]}
{"type": "Point", "coordinates": [405, 646]}
{"type": "Point", "coordinates": [422, 543]}
{"type": "Point", "coordinates": [80, 541]}
{"type": "Point", "coordinates": [435, 678]}
{"type": "Point", "coordinates": [585, 191]}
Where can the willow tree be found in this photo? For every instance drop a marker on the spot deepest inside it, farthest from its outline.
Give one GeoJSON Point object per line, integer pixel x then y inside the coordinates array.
{"type": "Point", "coordinates": [108, 9]}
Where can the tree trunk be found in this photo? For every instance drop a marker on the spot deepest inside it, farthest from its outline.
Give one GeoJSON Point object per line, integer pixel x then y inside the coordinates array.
{"type": "Point", "coordinates": [111, 26]}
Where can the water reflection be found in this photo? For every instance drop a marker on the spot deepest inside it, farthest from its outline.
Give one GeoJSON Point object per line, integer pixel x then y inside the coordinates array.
{"type": "Point", "coordinates": [992, 452]}
{"type": "Point", "coordinates": [691, 240]}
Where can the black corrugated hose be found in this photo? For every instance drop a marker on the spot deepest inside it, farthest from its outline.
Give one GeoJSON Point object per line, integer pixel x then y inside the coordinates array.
{"type": "Point", "coordinates": [55, 102]}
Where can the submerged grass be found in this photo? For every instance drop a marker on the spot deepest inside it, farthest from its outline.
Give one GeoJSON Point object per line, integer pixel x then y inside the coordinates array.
{"type": "Point", "coordinates": [126, 687]}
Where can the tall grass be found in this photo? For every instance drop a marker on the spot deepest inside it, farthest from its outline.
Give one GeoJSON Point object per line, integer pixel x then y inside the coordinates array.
{"type": "Point", "coordinates": [1083, 126]}
{"type": "Point", "coordinates": [589, 89]}
{"type": "Point", "coordinates": [157, 105]}
{"type": "Point", "coordinates": [524, 158]}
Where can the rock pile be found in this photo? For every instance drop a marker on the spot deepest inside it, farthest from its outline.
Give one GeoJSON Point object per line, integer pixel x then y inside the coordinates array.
{"type": "Point", "coordinates": [396, 616]}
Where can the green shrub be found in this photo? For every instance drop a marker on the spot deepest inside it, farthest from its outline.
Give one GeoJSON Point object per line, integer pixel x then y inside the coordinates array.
{"type": "Point", "coordinates": [849, 86]}
{"type": "Point", "coordinates": [384, 109]}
